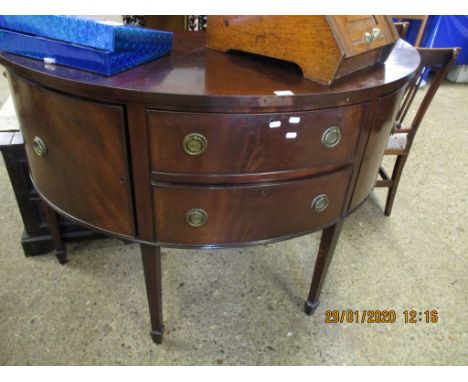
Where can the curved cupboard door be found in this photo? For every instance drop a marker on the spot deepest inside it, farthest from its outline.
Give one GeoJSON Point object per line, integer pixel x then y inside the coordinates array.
{"type": "Point", "coordinates": [77, 154]}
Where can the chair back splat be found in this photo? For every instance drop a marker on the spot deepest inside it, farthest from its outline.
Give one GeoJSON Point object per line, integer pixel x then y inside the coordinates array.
{"type": "Point", "coordinates": [402, 28]}
{"type": "Point", "coordinates": [439, 61]}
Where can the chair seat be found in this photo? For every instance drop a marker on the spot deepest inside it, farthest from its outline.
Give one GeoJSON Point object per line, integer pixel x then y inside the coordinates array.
{"type": "Point", "coordinates": [397, 141]}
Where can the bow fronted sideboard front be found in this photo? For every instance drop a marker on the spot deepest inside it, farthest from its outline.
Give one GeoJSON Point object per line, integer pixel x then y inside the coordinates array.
{"type": "Point", "coordinates": [202, 149]}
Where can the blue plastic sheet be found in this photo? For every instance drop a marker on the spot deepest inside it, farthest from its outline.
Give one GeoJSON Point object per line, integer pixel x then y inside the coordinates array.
{"type": "Point", "coordinates": [443, 32]}
{"type": "Point", "coordinates": [448, 32]}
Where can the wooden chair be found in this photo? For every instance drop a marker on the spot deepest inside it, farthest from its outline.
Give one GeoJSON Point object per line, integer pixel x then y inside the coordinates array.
{"type": "Point", "coordinates": [401, 139]}
{"type": "Point", "coordinates": [422, 26]}
{"type": "Point", "coordinates": [402, 28]}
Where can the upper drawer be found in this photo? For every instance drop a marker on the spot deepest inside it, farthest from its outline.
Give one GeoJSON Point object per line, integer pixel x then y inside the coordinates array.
{"type": "Point", "coordinates": [252, 143]}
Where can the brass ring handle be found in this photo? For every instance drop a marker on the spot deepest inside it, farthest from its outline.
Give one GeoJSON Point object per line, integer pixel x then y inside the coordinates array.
{"type": "Point", "coordinates": [331, 137]}
{"type": "Point", "coordinates": [369, 37]}
{"type": "Point", "coordinates": [376, 32]}
{"type": "Point", "coordinates": [39, 147]}
{"type": "Point", "coordinates": [195, 144]}
{"type": "Point", "coordinates": [196, 217]}
{"type": "Point", "coordinates": [319, 203]}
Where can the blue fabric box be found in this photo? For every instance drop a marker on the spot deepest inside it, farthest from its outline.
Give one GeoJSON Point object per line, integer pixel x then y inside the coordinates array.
{"type": "Point", "coordinates": [93, 33]}
{"type": "Point", "coordinates": [82, 43]}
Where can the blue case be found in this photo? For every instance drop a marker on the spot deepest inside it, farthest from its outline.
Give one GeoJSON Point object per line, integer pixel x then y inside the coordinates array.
{"type": "Point", "coordinates": [93, 33]}
{"type": "Point", "coordinates": [82, 43]}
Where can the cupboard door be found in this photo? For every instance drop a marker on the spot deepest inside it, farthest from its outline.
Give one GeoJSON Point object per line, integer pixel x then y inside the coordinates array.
{"type": "Point", "coordinates": [76, 150]}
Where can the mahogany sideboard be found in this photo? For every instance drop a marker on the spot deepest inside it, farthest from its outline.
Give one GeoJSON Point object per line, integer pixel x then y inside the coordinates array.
{"type": "Point", "coordinates": [202, 149]}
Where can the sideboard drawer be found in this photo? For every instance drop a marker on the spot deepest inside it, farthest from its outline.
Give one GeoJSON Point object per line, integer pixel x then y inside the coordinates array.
{"type": "Point", "coordinates": [234, 214]}
{"type": "Point", "coordinates": [252, 143]}
{"type": "Point", "coordinates": [76, 151]}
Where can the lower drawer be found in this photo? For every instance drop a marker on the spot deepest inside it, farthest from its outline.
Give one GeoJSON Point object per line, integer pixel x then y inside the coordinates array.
{"type": "Point", "coordinates": [196, 215]}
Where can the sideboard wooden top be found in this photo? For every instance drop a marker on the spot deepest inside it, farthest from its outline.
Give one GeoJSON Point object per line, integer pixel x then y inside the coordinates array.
{"type": "Point", "coordinates": [195, 78]}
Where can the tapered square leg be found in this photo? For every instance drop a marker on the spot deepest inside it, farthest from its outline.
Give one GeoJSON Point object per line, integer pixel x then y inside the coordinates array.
{"type": "Point", "coordinates": [151, 257]}
{"type": "Point", "coordinates": [52, 222]}
{"type": "Point", "coordinates": [328, 242]}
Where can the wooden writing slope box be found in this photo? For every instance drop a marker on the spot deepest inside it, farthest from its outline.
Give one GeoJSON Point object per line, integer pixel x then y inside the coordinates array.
{"type": "Point", "coordinates": [324, 47]}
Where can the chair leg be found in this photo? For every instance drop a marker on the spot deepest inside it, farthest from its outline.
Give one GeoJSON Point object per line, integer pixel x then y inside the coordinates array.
{"type": "Point", "coordinates": [328, 242]}
{"type": "Point", "coordinates": [52, 221]}
{"type": "Point", "coordinates": [396, 175]}
{"type": "Point", "coordinates": [151, 257]}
